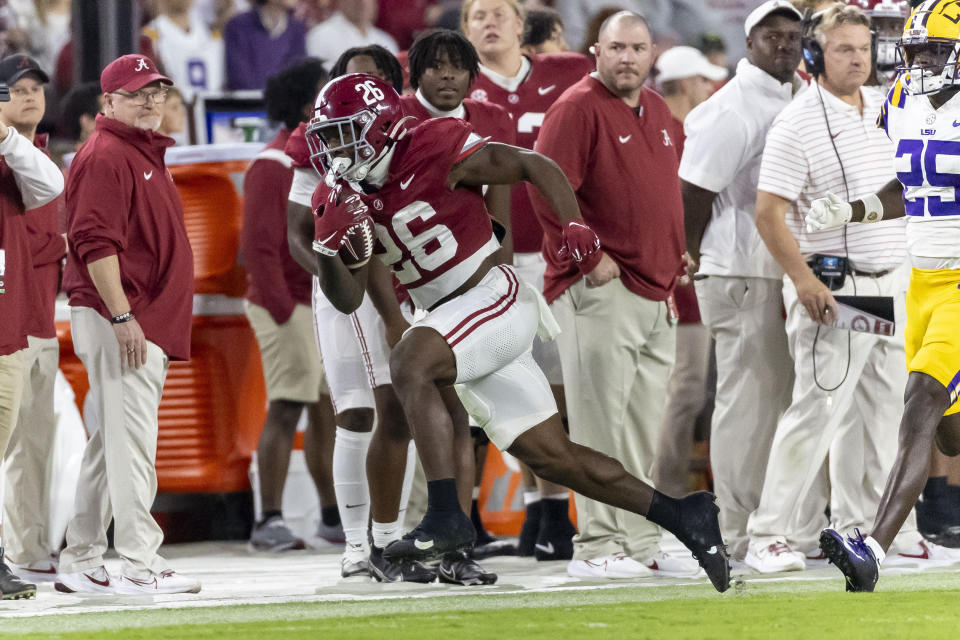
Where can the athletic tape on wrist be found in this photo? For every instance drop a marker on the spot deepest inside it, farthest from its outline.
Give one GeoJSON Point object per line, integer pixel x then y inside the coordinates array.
{"type": "Point", "coordinates": [872, 208]}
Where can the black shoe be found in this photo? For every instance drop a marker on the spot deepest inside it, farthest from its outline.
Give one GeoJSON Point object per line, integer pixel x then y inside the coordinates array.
{"type": "Point", "coordinates": [12, 587]}
{"type": "Point", "coordinates": [384, 570]}
{"type": "Point", "coordinates": [530, 530]}
{"type": "Point", "coordinates": [436, 535]}
{"type": "Point", "coordinates": [493, 548]}
{"type": "Point", "coordinates": [938, 513]}
{"type": "Point", "coordinates": [700, 533]}
{"type": "Point", "coordinates": [555, 540]}
{"type": "Point", "coordinates": [853, 557]}
{"type": "Point", "coordinates": [457, 568]}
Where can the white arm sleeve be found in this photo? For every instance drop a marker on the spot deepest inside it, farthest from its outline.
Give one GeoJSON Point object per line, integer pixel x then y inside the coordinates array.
{"type": "Point", "coordinates": [305, 182]}
{"type": "Point", "coordinates": [38, 178]}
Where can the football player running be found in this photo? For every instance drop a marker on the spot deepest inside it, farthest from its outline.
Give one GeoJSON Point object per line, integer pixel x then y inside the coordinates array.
{"type": "Point", "coordinates": [921, 116]}
{"type": "Point", "coordinates": [420, 188]}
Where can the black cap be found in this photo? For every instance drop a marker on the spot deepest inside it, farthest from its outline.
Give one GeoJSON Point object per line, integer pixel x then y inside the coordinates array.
{"type": "Point", "coordinates": [14, 67]}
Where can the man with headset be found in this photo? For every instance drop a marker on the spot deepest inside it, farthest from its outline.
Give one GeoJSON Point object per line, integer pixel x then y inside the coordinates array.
{"type": "Point", "coordinates": [847, 389]}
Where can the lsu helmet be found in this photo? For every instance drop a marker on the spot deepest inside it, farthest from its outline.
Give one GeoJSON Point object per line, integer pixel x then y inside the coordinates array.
{"type": "Point", "coordinates": [931, 33]}
{"type": "Point", "coordinates": [357, 118]}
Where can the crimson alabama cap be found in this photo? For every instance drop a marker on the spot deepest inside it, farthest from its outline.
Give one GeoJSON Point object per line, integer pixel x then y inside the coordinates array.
{"type": "Point", "coordinates": [130, 73]}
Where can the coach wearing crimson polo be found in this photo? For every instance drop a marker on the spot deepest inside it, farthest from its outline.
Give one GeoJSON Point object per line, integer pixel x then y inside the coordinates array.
{"type": "Point", "coordinates": [129, 276]}
{"type": "Point", "coordinates": [616, 309]}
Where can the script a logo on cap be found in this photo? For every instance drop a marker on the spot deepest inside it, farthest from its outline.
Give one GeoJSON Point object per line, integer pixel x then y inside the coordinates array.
{"type": "Point", "coordinates": [141, 65]}
{"type": "Point", "coordinates": [24, 62]}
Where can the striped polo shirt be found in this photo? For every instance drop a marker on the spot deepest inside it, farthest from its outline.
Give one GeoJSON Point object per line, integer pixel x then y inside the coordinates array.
{"type": "Point", "coordinates": [799, 164]}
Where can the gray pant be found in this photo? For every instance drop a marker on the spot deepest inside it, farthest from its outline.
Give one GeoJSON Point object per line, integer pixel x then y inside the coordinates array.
{"type": "Point", "coordinates": [754, 377]}
{"type": "Point", "coordinates": [118, 476]}
{"type": "Point", "coordinates": [616, 352]}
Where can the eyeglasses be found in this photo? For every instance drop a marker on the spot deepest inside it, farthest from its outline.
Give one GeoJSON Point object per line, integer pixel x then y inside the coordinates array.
{"type": "Point", "coordinates": [141, 98]}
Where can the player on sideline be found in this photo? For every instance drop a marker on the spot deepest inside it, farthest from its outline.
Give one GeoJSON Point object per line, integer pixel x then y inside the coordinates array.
{"type": "Point", "coordinates": [916, 116]}
{"type": "Point", "coordinates": [443, 64]}
{"type": "Point", "coordinates": [421, 186]}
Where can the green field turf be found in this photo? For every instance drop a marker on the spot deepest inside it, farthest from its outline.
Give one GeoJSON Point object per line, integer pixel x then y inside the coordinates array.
{"type": "Point", "coordinates": [908, 606]}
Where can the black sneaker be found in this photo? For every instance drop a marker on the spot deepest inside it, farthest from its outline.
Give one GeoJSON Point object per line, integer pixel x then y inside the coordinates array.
{"type": "Point", "coordinates": [457, 568]}
{"type": "Point", "coordinates": [555, 540]}
{"type": "Point", "coordinates": [435, 536]}
{"type": "Point", "coordinates": [493, 548]}
{"type": "Point", "coordinates": [531, 529]}
{"type": "Point", "coordinates": [12, 587]}
{"type": "Point", "coordinates": [700, 533]}
{"type": "Point", "coordinates": [853, 557]}
{"type": "Point", "coordinates": [384, 570]}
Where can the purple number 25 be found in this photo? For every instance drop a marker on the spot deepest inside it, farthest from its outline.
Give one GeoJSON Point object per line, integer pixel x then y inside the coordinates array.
{"type": "Point", "coordinates": [923, 166]}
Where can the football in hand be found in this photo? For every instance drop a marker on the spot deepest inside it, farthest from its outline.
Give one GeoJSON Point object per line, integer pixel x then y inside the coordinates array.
{"type": "Point", "coordinates": [357, 244]}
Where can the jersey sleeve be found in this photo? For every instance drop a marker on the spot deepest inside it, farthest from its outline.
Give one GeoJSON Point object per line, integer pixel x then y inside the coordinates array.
{"type": "Point", "coordinates": [297, 148]}
{"type": "Point", "coordinates": [438, 144]}
{"type": "Point", "coordinates": [784, 168]}
{"type": "Point", "coordinates": [896, 98]}
{"type": "Point", "coordinates": [714, 149]}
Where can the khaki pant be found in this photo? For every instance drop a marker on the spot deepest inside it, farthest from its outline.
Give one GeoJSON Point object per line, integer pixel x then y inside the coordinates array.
{"type": "Point", "coordinates": [11, 389]}
{"type": "Point", "coordinates": [118, 478]}
{"type": "Point", "coordinates": [754, 377]}
{"type": "Point", "coordinates": [687, 394]}
{"type": "Point", "coordinates": [854, 433]}
{"type": "Point", "coordinates": [26, 499]}
{"type": "Point", "coordinates": [616, 351]}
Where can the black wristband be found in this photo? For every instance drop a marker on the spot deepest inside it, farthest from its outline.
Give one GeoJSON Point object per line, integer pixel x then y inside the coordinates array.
{"type": "Point", "coordinates": [123, 317]}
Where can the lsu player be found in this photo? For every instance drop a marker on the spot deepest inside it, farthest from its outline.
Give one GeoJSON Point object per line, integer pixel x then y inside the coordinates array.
{"type": "Point", "coordinates": [922, 117]}
{"type": "Point", "coordinates": [420, 188]}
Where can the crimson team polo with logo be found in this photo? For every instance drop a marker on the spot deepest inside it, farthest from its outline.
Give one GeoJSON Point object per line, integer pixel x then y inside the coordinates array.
{"type": "Point", "coordinates": [549, 75]}
{"type": "Point", "coordinates": [622, 164]}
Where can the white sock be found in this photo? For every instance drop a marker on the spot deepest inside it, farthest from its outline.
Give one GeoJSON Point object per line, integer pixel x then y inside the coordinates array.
{"type": "Point", "coordinates": [563, 495]}
{"type": "Point", "coordinates": [476, 493]}
{"type": "Point", "coordinates": [350, 483]}
{"type": "Point", "coordinates": [876, 548]}
{"type": "Point", "coordinates": [384, 533]}
{"type": "Point", "coordinates": [530, 496]}
{"type": "Point", "coordinates": [407, 487]}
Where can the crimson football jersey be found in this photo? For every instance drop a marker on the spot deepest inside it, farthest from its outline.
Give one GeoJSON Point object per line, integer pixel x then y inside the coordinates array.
{"type": "Point", "coordinates": [297, 148]}
{"type": "Point", "coordinates": [486, 119]}
{"type": "Point", "coordinates": [549, 76]}
{"type": "Point", "coordinates": [432, 238]}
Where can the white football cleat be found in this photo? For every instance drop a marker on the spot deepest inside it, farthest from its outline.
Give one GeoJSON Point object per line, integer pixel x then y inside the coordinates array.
{"type": "Point", "coordinates": [775, 557]}
{"type": "Point", "coordinates": [163, 582]}
{"type": "Point", "coordinates": [615, 566]}
{"type": "Point", "coordinates": [90, 581]}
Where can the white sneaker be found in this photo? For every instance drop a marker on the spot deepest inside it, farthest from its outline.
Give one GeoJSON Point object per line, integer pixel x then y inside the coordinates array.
{"type": "Point", "coordinates": [924, 554]}
{"type": "Point", "coordinates": [615, 566]}
{"type": "Point", "coordinates": [163, 582]}
{"type": "Point", "coordinates": [774, 557]}
{"type": "Point", "coordinates": [673, 565]}
{"type": "Point", "coordinates": [90, 581]}
{"type": "Point", "coordinates": [38, 571]}
{"type": "Point", "coordinates": [815, 559]}
{"type": "Point", "coordinates": [354, 562]}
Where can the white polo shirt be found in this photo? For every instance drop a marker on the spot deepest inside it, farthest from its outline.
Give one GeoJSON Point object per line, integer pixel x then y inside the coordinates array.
{"type": "Point", "coordinates": [799, 164]}
{"type": "Point", "coordinates": [725, 139]}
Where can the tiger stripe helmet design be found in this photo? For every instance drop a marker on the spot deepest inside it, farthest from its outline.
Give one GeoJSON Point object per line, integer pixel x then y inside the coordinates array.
{"type": "Point", "coordinates": [930, 46]}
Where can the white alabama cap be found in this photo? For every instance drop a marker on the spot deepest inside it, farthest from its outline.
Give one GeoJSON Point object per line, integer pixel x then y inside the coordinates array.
{"type": "Point", "coordinates": [686, 62]}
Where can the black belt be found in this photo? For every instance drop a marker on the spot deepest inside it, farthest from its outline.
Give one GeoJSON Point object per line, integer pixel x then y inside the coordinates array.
{"type": "Point", "coordinates": [871, 274]}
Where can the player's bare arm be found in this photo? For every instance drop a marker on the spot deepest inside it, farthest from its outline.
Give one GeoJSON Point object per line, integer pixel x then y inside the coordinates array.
{"type": "Point", "coordinates": [697, 209]}
{"type": "Point", "coordinates": [498, 163]}
{"type": "Point", "coordinates": [891, 197]}
{"type": "Point", "coordinates": [772, 225]}
{"type": "Point", "coordinates": [300, 236]}
{"type": "Point", "coordinates": [384, 299]}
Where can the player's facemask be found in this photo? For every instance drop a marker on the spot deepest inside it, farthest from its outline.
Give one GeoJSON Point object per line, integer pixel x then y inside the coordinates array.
{"type": "Point", "coordinates": [339, 149]}
{"type": "Point", "coordinates": [928, 67]}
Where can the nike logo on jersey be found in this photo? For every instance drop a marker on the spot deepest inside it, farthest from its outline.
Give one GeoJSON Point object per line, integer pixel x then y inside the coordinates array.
{"type": "Point", "coordinates": [423, 546]}
{"type": "Point", "coordinates": [546, 548]}
{"type": "Point", "coordinates": [354, 506]}
{"type": "Point", "coordinates": [147, 176]}
{"type": "Point", "coordinates": [545, 90]}
{"type": "Point", "coordinates": [624, 139]}
{"type": "Point", "coordinates": [406, 183]}
{"type": "Point", "coordinates": [833, 136]}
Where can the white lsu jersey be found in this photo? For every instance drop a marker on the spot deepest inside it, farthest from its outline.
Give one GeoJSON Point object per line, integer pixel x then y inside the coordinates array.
{"type": "Point", "coordinates": [194, 60]}
{"type": "Point", "coordinates": [927, 163]}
